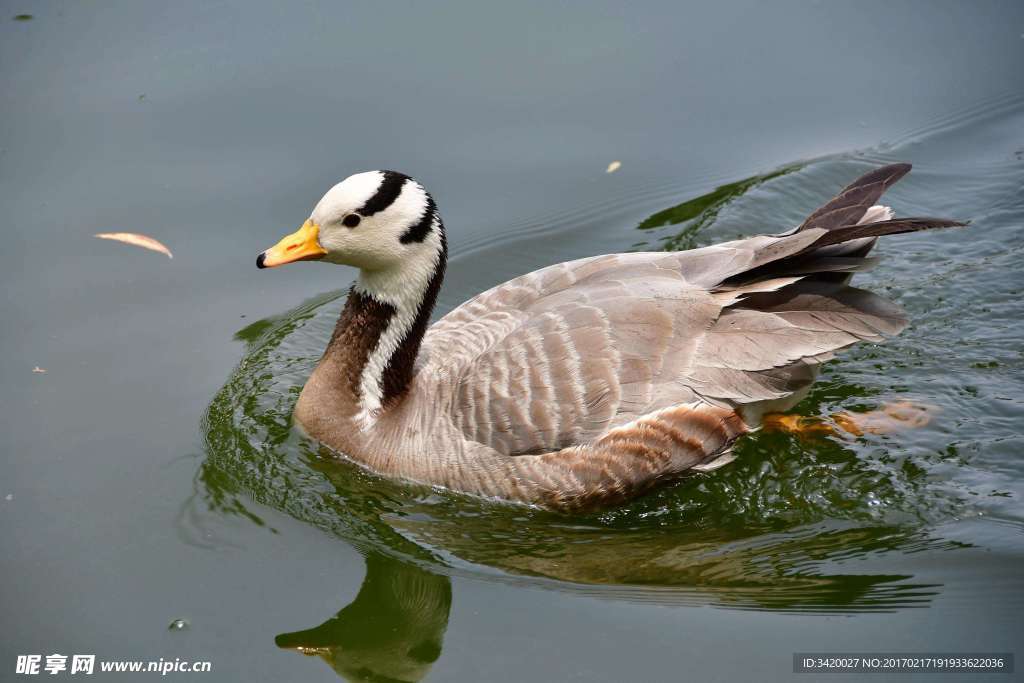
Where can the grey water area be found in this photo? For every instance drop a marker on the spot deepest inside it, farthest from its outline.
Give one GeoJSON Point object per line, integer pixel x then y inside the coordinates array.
{"type": "Point", "coordinates": [151, 473]}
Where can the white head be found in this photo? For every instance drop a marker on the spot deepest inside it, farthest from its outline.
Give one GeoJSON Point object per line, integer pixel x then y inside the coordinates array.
{"type": "Point", "coordinates": [375, 221]}
{"type": "Point", "coordinates": [385, 224]}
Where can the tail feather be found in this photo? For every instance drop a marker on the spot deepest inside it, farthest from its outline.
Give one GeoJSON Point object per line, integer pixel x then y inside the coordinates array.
{"type": "Point", "coordinates": [895, 226]}
{"type": "Point", "coordinates": [834, 241]}
{"type": "Point", "coordinates": [863, 246]}
{"type": "Point", "coordinates": [823, 259]}
{"type": "Point", "coordinates": [850, 205]}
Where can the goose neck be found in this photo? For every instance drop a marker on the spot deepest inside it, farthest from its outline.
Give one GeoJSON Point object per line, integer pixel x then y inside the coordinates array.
{"type": "Point", "coordinates": [380, 331]}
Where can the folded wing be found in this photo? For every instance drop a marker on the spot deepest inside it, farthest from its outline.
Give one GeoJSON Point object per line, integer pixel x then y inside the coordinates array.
{"type": "Point", "coordinates": [564, 354]}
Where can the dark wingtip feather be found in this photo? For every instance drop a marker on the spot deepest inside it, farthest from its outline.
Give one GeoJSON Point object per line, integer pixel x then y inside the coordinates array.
{"type": "Point", "coordinates": [888, 175]}
{"type": "Point", "coordinates": [850, 205]}
{"type": "Point", "coordinates": [895, 226]}
{"type": "Point", "coordinates": [899, 170]}
{"type": "Point", "coordinates": [918, 223]}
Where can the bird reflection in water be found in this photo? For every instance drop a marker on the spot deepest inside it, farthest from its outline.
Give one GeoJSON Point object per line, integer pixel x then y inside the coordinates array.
{"type": "Point", "coordinates": [392, 631]}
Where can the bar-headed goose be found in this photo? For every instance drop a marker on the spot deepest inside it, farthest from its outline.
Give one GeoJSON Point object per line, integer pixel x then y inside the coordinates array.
{"type": "Point", "coordinates": [587, 382]}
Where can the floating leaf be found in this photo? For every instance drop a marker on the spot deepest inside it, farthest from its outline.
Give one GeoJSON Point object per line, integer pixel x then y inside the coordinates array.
{"type": "Point", "coordinates": [38, 370]}
{"type": "Point", "coordinates": [136, 239]}
{"type": "Point", "coordinates": [614, 166]}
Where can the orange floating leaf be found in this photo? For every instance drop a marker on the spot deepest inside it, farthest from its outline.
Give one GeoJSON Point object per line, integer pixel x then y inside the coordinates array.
{"type": "Point", "coordinates": [136, 239]}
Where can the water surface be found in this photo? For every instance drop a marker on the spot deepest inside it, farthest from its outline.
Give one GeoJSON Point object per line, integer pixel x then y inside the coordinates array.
{"type": "Point", "coordinates": [152, 473]}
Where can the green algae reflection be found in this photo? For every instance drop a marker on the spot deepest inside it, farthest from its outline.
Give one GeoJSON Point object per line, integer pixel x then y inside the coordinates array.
{"type": "Point", "coordinates": [698, 213]}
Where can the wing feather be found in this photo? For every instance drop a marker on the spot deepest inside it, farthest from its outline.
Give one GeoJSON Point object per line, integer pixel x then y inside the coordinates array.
{"type": "Point", "coordinates": [570, 362]}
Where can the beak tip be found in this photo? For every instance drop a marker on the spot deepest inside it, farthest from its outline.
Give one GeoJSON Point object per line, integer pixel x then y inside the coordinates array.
{"type": "Point", "coordinates": [260, 260]}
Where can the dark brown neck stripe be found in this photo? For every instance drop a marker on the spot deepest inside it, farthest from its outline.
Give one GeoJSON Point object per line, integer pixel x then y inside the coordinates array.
{"type": "Point", "coordinates": [398, 372]}
{"type": "Point", "coordinates": [364, 321]}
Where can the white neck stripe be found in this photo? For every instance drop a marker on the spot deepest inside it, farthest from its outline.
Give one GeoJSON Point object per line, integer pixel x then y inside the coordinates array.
{"type": "Point", "coordinates": [404, 289]}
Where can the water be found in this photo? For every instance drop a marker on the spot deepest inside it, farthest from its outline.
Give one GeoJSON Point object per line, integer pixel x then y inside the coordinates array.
{"type": "Point", "coordinates": [150, 475]}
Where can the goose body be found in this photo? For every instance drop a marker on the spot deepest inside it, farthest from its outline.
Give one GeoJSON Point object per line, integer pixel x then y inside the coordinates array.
{"type": "Point", "coordinates": [588, 382]}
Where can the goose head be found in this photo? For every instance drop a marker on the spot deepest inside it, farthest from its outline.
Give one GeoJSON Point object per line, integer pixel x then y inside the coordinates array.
{"type": "Point", "coordinates": [374, 221]}
{"type": "Point", "coordinates": [385, 224]}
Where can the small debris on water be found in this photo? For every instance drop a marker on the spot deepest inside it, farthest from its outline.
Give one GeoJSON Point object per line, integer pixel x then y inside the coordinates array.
{"type": "Point", "coordinates": [178, 625]}
{"type": "Point", "coordinates": [614, 166]}
{"type": "Point", "coordinates": [9, 496]}
{"type": "Point", "coordinates": [38, 370]}
{"type": "Point", "coordinates": [23, 17]}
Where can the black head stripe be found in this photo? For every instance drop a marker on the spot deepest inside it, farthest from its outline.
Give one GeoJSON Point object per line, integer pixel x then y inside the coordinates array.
{"type": "Point", "coordinates": [386, 194]}
{"type": "Point", "coordinates": [418, 231]}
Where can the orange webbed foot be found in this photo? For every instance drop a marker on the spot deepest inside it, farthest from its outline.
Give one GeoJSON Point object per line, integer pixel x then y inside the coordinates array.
{"type": "Point", "coordinates": [798, 425]}
{"type": "Point", "coordinates": [891, 417]}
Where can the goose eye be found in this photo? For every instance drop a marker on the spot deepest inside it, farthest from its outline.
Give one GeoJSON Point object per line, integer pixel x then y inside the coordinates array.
{"type": "Point", "coordinates": [351, 220]}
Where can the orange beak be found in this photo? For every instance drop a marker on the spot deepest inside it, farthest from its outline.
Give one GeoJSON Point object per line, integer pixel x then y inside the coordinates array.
{"type": "Point", "coordinates": [301, 245]}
